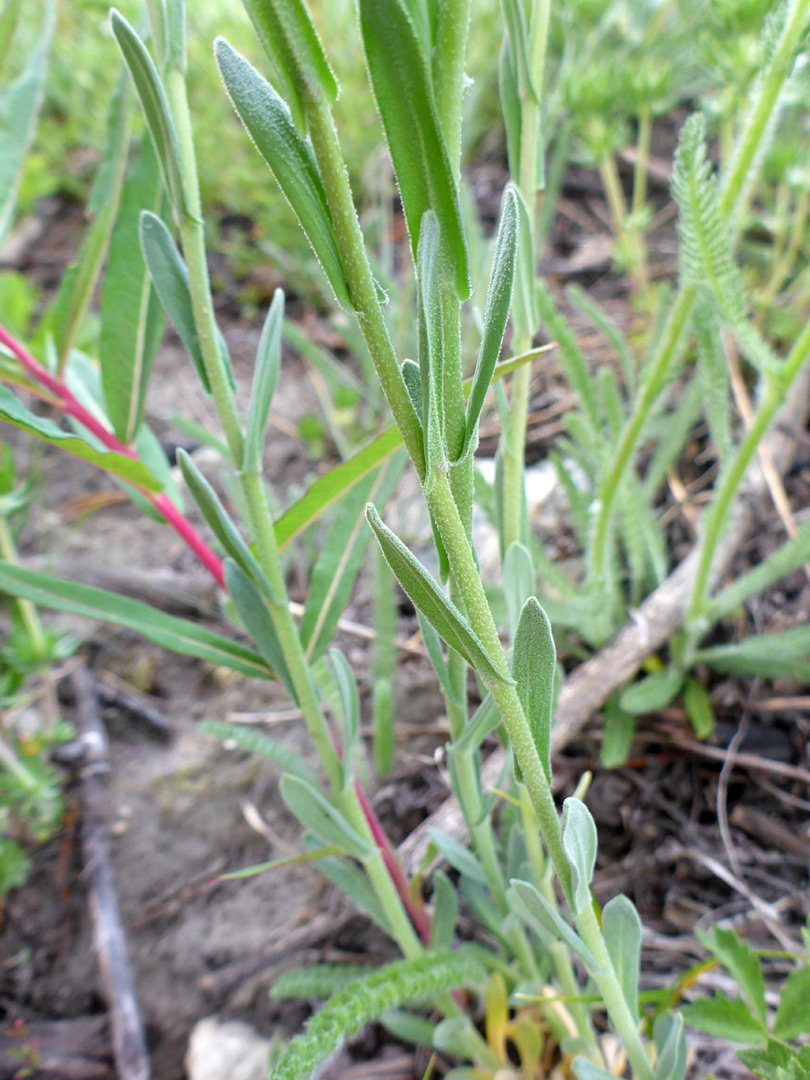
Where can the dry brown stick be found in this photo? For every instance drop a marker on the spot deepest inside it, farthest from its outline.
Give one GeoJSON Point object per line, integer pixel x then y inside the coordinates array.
{"type": "Point", "coordinates": [588, 687]}
{"type": "Point", "coordinates": [129, 1045]}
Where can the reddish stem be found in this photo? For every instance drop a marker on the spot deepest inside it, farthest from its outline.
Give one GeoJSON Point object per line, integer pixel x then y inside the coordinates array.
{"type": "Point", "coordinates": [71, 406]}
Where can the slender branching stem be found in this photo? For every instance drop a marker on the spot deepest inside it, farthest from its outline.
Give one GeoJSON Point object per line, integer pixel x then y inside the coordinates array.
{"type": "Point", "coordinates": [360, 280]}
{"type": "Point", "coordinates": [641, 168]}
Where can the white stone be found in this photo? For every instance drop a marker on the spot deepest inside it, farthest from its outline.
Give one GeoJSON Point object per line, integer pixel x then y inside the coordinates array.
{"type": "Point", "coordinates": [226, 1050]}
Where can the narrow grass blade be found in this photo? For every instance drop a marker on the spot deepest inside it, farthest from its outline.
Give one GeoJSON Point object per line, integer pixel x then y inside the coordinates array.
{"type": "Point", "coordinates": [168, 631]}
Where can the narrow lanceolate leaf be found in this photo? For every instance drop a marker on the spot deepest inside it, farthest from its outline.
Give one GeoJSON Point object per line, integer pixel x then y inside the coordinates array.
{"type": "Point", "coordinates": [431, 345]}
{"type": "Point", "coordinates": [578, 837]}
{"type": "Point", "coordinates": [176, 34]}
{"type": "Point", "coordinates": [265, 375]}
{"type": "Point", "coordinates": [20, 103]}
{"type": "Point", "coordinates": [534, 662]}
{"type": "Point", "coordinates": [218, 518]}
{"type": "Point", "coordinates": [402, 87]}
{"type": "Point", "coordinates": [435, 971]}
{"type": "Point", "coordinates": [127, 468]}
{"type": "Point", "coordinates": [170, 279]}
{"type": "Point", "coordinates": [499, 298]}
{"type": "Point", "coordinates": [621, 927]}
{"type": "Point", "coordinates": [321, 818]}
{"type": "Point", "coordinates": [9, 17]}
{"type": "Point", "coordinates": [288, 155]}
{"type": "Point", "coordinates": [536, 910]}
{"type": "Point", "coordinates": [517, 36]}
{"type": "Point", "coordinates": [155, 107]}
{"type": "Point", "coordinates": [290, 39]}
{"type": "Point", "coordinates": [131, 319]}
{"type": "Point", "coordinates": [524, 297]}
{"type": "Point", "coordinates": [252, 610]}
{"type": "Point", "coordinates": [652, 692]}
{"type": "Point", "coordinates": [427, 597]}
{"type": "Point", "coordinates": [168, 631]}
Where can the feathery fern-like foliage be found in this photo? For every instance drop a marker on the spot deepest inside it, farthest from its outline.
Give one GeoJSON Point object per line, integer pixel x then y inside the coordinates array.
{"type": "Point", "coordinates": [256, 742]}
{"type": "Point", "coordinates": [318, 981]}
{"type": "Point", "coordinates": [707, 260]}
{"type": "Point", "coordinates": [365, 999]}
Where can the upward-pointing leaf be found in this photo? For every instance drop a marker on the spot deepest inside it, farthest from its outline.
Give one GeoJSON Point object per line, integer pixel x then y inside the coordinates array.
{"type": "Point", "coordinates": [578, 836]}
{"type": "Point", "coordinates": [155, 107]}
{"type": "Point", "coordinates": [403, 90]}
{"type": "Point", "coordinates": [499, 297]}
{"type": "Point", "coordinates": [220, 521]}
{"type": "Point", "coordinates": [428, 598]}
{"type": "Point", "coordinates": [170, 278]}
{"type": "Point", "coordinates": [268, 361]}
{"type": "Point", "coordinates": [131, 319]}
{"type": "Point", "coordinates": [290, 39]}
{"type": "Point", "coordinates": [252, 610]}
{"type": "Point", "coordinates": [431, 345]}
{"type": "Point", "coordinates": [321, 818]}
{"type": "Point", "coordinates": [288, 155]}
{"type": "Point", "coordinates": [621, 927]}
{"type": "Point", "coordinates": [534, 661]}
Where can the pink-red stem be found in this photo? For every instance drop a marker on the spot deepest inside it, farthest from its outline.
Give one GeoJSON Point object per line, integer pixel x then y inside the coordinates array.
{"type": "Point", "coordinates": [71, 406]}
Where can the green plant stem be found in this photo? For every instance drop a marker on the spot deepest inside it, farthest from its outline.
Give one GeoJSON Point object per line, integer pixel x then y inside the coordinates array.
{"type": "Point", "coordinates": [27, 611]}
{"type": "Point", "coordinates": [448, 71]}
{"type": "Point", "coordinates": [192, 235]}
{"type": "Point", "coordinates": [776, 389]}
{"type": "Point", "coordinates": [640, 170]}
{"type": "Point", "coordinates": [732, 188]}
{"type": "Point", "coordinates": [360, 280]}
{"type": "Point", "coordinates": [618, 210]}
{"type": "Point", "coordinates": [609, 987]}
{"type": "Point", "coordinates": [514, 438]}
{"type": "Point", "coordinates": [462, 564]}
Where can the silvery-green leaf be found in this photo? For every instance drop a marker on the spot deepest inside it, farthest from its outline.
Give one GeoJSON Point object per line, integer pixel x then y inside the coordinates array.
{"type": "Point", "coordinates": [585, 1069]}
{"type": "Point", "coordinates": [459, 856]}
{"type": "Point", "coordinates": [427, 597]}
{"type": "Point", "coordinates": [671, 1042]}
{"type": "Point", "coordinates": [621, 928]}
{"type": "Point", "coordinates": [445, 911]}
{"type": "Point", "coordinates": [413, 380]}
{"type": "Point", "coordinates": [211, 508]}
{"type": "Point", "coordinates": [321, 818]}
{"type": "Point", "coordinates": [290, 39]}
{"type": "Point", "coordinates": [496, 314]}
{"type": "Point", "coordinates": [349, 697]}
{"type": "Point", "coordinates": [170, 279]}
{"type": "Point", "coordinates": [518, 582]}
{"type": "Point", "coordinates": [534, 665]}
{"type": "Point", "coordinates": [431, 345]}
{"type": "Point", "coordinates": [652, 692]}
{"type": "Point", "coordinates": [288, 155]}
{"type": "Point", "coordinates": [131, 318]}
{"type": "Point", "coordinates": [155, 106]}
{"type": "Point", "coordinates": [265, 375]}
{"type": "Point", "coordinates": [354, 884]}
{"type": "Point", "coordinates": [579, 841]}
{"type": "Point", "coordinates": [402, 86]}
{"type": "Point", "coordinates": [527, 902]}
{"type": "Point", "coordinates": [252, 610]}
{"type": "Point", "coordinates": [524, 301]}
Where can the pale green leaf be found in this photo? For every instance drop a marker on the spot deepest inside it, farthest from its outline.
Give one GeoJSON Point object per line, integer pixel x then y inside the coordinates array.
{"type": "Point", "coordinates": [173, 633]}
{"type": "Point", "coordinates": [265, 376]}
{"type": "Point", "coordinates": [321, 818]}
{"type": "Point", "coordinates": [579, 842]}
{"type": "Point", "coordinates": [534, 663]}
{"type": "Point", "coordinates": [621, 928]}
{"type": "Point", "coordinates": [252, 609]}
